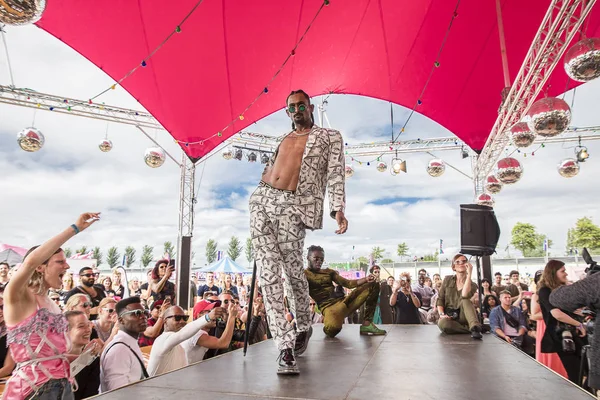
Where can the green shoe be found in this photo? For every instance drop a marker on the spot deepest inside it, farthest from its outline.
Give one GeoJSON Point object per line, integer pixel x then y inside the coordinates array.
{"type": "Point", "coordinates": [371, 330]}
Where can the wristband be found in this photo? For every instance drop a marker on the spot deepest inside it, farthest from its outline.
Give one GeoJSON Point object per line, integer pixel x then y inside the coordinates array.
{"type": "Point", "coordinates": [207, 318]}
{"type": "Point", "coordinates": [75, 228]}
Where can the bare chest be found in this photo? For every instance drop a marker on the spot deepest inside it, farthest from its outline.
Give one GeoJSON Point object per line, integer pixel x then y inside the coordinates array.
{"type": "Point", "coordinates": [293, 147]}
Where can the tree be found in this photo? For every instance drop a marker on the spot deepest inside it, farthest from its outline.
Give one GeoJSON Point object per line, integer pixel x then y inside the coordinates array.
{"type": "Point", "coordinates": [68, 252]}
{"type": "Point", "coordinates": [586, 234]}
{"type": "Point", "coordinates": [147, 255]}
{"type": "Point", "coordinates": [377, 253]}
{"type": "Point", "coordinates": [249, 250]}
{"type": "Point", "coordinates": [112, 257]}
{"type": "Point", "coordinates": [82, 250]}
{"type": "Point", "coordinates": [235, 248]}
{"type": "Point", "coordinates": [402, 250]}
{"type": "Point", "coordinates": [211, 251]}
{"type": "Point", "coordinates": [526, 239]}
{"type": "Point", "coordinates": [431, 257]}
{"type": "Point", "coordinates": [129, 256]}
{"type": "Point", "coordinates": [387, 261]}
{"type": "Point", "coordinates": [97, 255]}
{"type": "Point", "coordinates": [169, 249]}
{"type": "Point", "coordinates": [362, 261]}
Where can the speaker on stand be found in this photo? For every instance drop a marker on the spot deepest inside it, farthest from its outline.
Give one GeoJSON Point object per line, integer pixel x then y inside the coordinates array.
{"type": "Point", "coordinates": [479, 234]}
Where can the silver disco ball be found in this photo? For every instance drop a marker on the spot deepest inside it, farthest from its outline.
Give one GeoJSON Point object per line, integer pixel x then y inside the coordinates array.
{"type": "Point", "coordinates": [436, 168]}
{"type": "Point", "coordinates": [349, 171]}
{"type": "Point", "coordinates": [509, 171]}
{"type": "Point", "coordinates": [252, 157]}
{"type": "Point", "coordinates": [227, 154]}
{"type": "Point", "coordinates": [381, 166]}
{"type": "Point", "coordinates": [582, 61]}
{"type": "Point", "coordinates": [105, 145]}
{"type": "Point", "coordinates": [568, 168]}
{"type": "Point", "coordinates": [493, 185]}
{"type": "Point", "coordinates": [521, 135]}
{"type": "Point", "coordinates": [549, 116]}
{"type": "Point", "coordinates": [154, 157]}
{"type": "Point", "coordinates": [30, 139]}
{"type": "Point", "coordinates": [21, 12]}
{"type": "Point", "coordinates": [264, 158]}
{"type": "Point", "coordinates": [485, 199]}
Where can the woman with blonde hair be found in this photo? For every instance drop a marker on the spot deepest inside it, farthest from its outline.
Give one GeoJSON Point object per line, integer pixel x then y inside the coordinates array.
{"type": "Point", "coordinates": [79, 302]}
{"type": "Point", "coordinates": [67, 285]}
{"type": "Point", "coordinates": [117, 286]}
{"type": "Point", "coordinates": [105, 324]}
{"type": "Point", "coordinates": [37, 330]}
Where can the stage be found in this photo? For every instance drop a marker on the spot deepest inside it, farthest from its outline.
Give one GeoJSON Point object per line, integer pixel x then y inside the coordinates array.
{"type": "Point", "coordinates": [411, 362]}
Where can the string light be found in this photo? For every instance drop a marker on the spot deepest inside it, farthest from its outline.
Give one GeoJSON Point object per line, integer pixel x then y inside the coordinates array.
{"type": "Point", "coordinates": [144, 63]}
{"type": "Point", "coordinates": [178, 29]}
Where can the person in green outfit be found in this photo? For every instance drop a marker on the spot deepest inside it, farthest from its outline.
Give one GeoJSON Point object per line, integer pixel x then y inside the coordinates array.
{"type": "Point", "coordinates": [336, 309]}
{"type": "Point", "coordinates": [457, 312]}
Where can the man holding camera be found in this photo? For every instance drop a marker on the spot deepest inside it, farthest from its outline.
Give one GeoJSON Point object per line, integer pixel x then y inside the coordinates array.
{"type": "Point", "coordinates": [405, 301]}
{"type": "Point", "coordinates": [583, 293]}
{"type": "Point", "coordinates": [508, 323]}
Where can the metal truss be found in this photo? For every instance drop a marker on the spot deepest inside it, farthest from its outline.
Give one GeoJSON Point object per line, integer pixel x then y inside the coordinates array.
{"type": "Point", "coordinates": [559, 26]}
{"type": "Point", "coordinates": [187, 196]}
{"type": "Point", "coordinates": [82, 108]}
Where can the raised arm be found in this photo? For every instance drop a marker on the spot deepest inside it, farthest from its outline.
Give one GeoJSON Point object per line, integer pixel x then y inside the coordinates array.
{"type": "Point", "coordinates": [336, 178]}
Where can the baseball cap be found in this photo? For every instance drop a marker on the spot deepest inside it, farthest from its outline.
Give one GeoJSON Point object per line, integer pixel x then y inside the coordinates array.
{"type": "Point", "coordinates": [201, 306]}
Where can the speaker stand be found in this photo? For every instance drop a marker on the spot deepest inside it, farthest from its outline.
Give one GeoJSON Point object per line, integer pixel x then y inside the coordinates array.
{"type": "Point", "coordinates": [478, 266]}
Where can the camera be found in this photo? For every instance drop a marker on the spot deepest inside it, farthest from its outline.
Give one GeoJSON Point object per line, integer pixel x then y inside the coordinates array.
{"type": "Point", "coordinates": [568, 345]}
{"type": "Point", "coordinates": [452, 313]}
{"type": "Point", "coordinates": [593, 265]}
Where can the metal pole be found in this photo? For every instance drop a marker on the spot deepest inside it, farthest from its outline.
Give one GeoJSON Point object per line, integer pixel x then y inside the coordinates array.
{"type": "Point", "coordinates": [250, 304]}
{"type": "Point", "coordinates": [502, 45]}
{"type": "Point", "coordinates": [187, 200]}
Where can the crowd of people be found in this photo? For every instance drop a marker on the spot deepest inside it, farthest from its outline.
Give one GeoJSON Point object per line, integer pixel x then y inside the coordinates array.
{"type": "Point", "coordinates": [62, 339]}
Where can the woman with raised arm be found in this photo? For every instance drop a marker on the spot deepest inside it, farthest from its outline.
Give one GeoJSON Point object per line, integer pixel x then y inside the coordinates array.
{"type": "Point", "coordinates": [37, 329]}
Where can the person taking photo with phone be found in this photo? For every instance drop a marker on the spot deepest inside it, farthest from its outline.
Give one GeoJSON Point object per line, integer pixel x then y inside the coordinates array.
{"type": "Point", "coordinates": [160, 287]}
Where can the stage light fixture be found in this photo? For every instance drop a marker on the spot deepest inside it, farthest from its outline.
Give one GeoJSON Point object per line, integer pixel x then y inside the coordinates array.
{"type": "Point", "coordinates": [264, 158]}
{"type": "Point", "coordinates": [464, 153]}
{"type": "Point", "coordinates": [582, 154]}
{"type": "Point", "coordinates": [237, 154]}
{"type": "Point", "coordinates": [251, 157]}
{"type": "Point", "coordinates": [398, 166]}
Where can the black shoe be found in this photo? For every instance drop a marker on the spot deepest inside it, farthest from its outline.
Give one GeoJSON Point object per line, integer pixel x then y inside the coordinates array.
{"type": "Point", "coordinates": [476, 332]}
{"type": "Point", "coordinates": [287, 363]}
{"type": "Point", "coordinates": [302, 341]}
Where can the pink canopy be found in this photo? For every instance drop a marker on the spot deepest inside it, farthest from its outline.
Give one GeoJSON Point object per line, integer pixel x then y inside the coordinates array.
{"type": "Point", "coordinates": [228, 51]}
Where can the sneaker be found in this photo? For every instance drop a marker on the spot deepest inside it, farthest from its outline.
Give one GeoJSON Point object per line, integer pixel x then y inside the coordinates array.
{"type": "Point", "coordinates": [476, 332]}
{"type": "Point", "coordinates": [302, 341]}
{"type": "Point", "coordinates": [287, 363]}
{"type": "Point", "coordinates": [371, 330]}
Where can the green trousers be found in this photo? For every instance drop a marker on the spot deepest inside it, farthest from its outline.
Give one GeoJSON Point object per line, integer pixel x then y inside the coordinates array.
{"type": "Point", "coordinates": [334, 315]}
{"type": "Point", "coordinates": [466, 321]}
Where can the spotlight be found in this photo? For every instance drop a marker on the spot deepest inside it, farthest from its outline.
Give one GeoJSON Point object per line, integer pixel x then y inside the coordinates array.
{"type": "Point", "coordinates": [264, 158]}
{"type": "Point", "coordinates": [252, 157]}
{"type": "Point", "coordinates": [238, 154]}
{"type": "Point", "coordinates": [397, 166]}
{"type": "Point", "coordinates": [464, 153]}
{"type": "Point", "coordinates": [582, 154]}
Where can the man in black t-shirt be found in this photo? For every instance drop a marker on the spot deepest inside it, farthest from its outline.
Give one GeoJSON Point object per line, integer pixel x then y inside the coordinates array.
{"type": "Point", "coordinates": [209, 286]}
{"type": "Point", "coordinates": [87, 280]}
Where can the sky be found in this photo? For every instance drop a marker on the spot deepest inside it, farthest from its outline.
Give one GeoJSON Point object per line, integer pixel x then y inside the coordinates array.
{"type": "Point", "coordinates": [44, 192]}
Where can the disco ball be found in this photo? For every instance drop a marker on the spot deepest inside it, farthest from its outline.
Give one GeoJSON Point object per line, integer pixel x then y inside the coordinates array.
{"type": "Point", "coordinates": [252, 157]}
{"type": "Point", "coordinates": [436, 168]}
{"type": "Point", "coordinates": [582, 61]}
{"type": "Point", "coordinates": [154, 157]}
{"type": "Point", "coordinates": [349, 171]}
{"type": "Point", "coordinates": [381, 166]}
{"type": "Point", "coordinates": [521, 135]}
{"type": "Point", "coordinates": [238, 154]}
{"type": "Point", "coordinates": [105, 146]}
{"type": "Point", "coordinates": [485, 199]}
{"type": "Point", "coordinates": [509, 171]}
{"type": "Point", "coordinates": [549, 116]}
{"type": "Point", "coordinates": [21, 12]}
{"type": "Point", "coordinates": [30, 139]}
{"type": "Point", "coordinates": [493, 185]}
{"type": "Point", "coordinates": [568, 168]}
{"type": "Point", "coordinates": [227, 154]}
{"type": "Point", "coordinates": [264, 158]}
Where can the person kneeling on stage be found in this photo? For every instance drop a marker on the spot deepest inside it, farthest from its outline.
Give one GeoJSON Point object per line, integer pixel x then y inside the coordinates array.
{"type": "Point", "coordinates": [457, 313]}
{"type": "Point", "coordinates": [508, 323]}
{"type": "Point", "coordinates": [335, 309]}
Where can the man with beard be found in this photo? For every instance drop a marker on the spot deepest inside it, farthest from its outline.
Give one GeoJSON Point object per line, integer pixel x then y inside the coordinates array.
{"type": "Point", "coordinates": [425, 293]}
{"type": "Point", "coordinates": [4, 267]}
{"type": "Point", "coordinates": [121, 361]}
{"type": "Point", "coordinates": [87, 279]}
{"type": "Point", "coordinates": [308, 162]}
{"type": "Point", "coordinates": [320, 283]}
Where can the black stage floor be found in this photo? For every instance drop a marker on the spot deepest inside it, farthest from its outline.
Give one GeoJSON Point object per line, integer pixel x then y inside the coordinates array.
{"type": "Point", "coordinates": [411, 362]}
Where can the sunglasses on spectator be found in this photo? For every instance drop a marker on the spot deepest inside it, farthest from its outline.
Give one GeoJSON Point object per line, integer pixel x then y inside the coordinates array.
{"type": "Point", "coordinates": [179, 318]}
{"type": "Point", "coordinates": [461, 261]}
{"type": "Point", "coordinates": [292, 108]}
{"type": "Point", "coordinates": [110, 310]}
{"type": "Point", "coordinates": [136, 313]}
{"type": "Point", "coordinates": [89, 275]}
{"type": "Point", "coordinates": [313, 304]}
{"type": "Point", "coordinates": [86, 304]}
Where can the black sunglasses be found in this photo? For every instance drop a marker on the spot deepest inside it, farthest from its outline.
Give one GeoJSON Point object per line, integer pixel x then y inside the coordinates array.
{"type": "Point", "coordinates": [292, 108]}
{"type": "Point", "coordinates": [88, 275]}
{"type": "Point", "coordinates": [179, 318]}
{"type": "Point", "coordinates": [87, 304]}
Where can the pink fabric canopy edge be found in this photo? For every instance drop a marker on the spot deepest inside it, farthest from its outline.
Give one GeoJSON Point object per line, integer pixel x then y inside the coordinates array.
{"type": "Point", "coordinates": [227, 52]}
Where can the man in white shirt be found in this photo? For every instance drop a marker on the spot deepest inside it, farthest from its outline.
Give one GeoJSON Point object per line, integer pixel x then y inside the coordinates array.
{"type": "Point", "coordinates": [121, 361]}
{"type": "Point", "coordinates": [167, 354]}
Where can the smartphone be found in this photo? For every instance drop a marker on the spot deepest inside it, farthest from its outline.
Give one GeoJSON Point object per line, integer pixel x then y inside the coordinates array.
{"type": "Point", "coordinates": [217, 303]}
{"type": "Point", "coordinates": [168, 298]}
{"type": "Point", "coordinates": [172, 263]}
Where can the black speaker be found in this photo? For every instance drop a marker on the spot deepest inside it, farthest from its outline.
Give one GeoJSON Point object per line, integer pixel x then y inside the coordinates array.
{"type": "Point", "coordinates": [479, 230]}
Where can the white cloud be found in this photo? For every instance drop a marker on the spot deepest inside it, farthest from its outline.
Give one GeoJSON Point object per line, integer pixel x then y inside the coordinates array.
{"type": "Point", "coordinates": [44, 192]}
